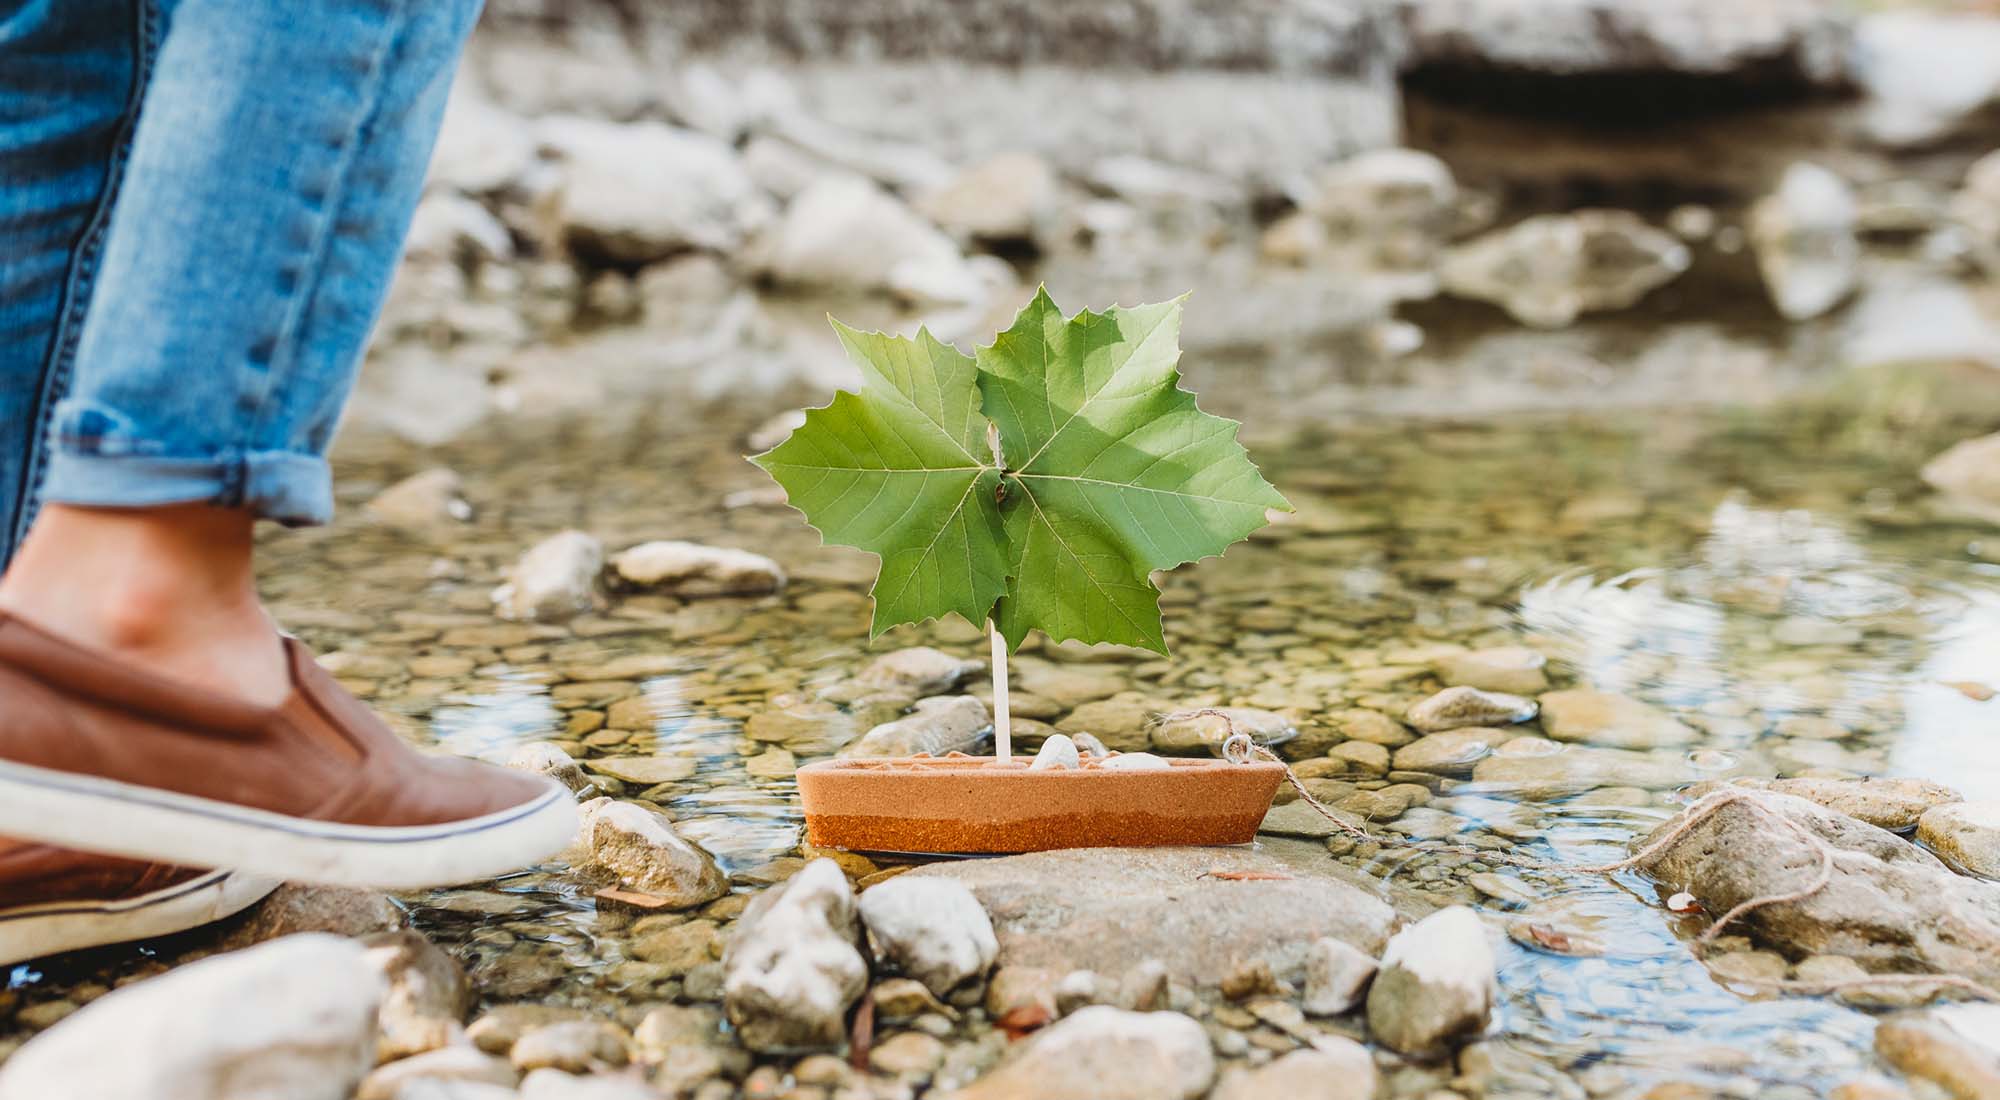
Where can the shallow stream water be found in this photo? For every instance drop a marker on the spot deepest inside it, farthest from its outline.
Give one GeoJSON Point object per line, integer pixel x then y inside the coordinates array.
{"type": "Point", "coordinates": [1775, 576]}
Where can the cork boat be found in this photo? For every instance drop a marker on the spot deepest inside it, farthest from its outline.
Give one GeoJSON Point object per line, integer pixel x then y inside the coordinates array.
{"type": "Point", "coordinates": [969, 804]}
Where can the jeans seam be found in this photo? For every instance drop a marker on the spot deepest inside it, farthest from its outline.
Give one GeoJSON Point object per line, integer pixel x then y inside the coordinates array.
{"type": "Point", "coordinates": [81, 278]}
{"type": "Point", "coordinates": [321, 247]}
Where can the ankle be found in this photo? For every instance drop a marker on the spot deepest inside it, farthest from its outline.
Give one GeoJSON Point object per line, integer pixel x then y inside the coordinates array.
{"type": "Point", "coordinates": [135, 580]}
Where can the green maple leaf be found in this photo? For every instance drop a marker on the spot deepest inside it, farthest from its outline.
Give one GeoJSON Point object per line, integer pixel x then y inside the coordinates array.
{"type": "Point", "coordinates": [1110, 472]}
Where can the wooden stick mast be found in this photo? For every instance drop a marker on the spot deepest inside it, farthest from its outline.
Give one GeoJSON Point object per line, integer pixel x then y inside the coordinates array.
{"type": "Point", "coordinates": [1003, 741]}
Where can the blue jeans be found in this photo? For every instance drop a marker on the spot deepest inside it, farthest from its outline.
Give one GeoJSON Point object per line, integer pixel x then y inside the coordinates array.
{"type": "Point", "coordinates": [202, 203]}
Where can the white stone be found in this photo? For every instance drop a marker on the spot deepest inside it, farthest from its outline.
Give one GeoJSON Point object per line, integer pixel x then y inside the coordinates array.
{"type": "Point", "coordinates": [554, 581]}
{"type": "Point", "coordinates": [1149, 1056]}
{"type": "Point", "coordinates": [1383, 191]}
{"type": "Point", "coordinates": [1804, 237]}
{"type": "Point", "coordinates": [1337, 976]}
{"type": "Point", "coordinates": [480, 147]}
{"type": "Point", "coordinates": [1924, 72]}
{"type": "Point", "coordinates": [816, 242]}
{"type": "Point", "coordinates": [791, 970]}
{"type": "Point", "coordinates": [1334, 1068]}
{"type": "Point", "coordinates": [1057, 753]}
{"type": "Point", "coordinates": [545, 758]}
{"type": "Point", "coordinates": [691, 569]}
{"type": "Point", "coordinates": [642, 849]}
{"type": "Point", "coordinates": [636, 192]}
{"type": "Point", "coordinates": [448, 226]}
{"type": "Point", "coordinates": [931, 929]}
{"type": "Point", "coordinates": [1976, 210]}
{"type": "Point", "coordinates": [1435, 985]}
{"type": "Point", "coordinates": [918, 670]}
{"type": "Point", "coordinates": [1549, 269]}
{"type": "Point", "coordinates": [1968, 475]}
{"type": "Point", "coordinates": [554, 1084]}
{"type": "Point", "coordinates": [457, 1064]}
{"type": "Point", "coordinates": [938, 726]}
{"type": "Point", "coordinates": [293, 1019]}
{"type": "Point", "coordinates": [424, 499]}
{"type": "Point", "coordinates": [1011, 196]}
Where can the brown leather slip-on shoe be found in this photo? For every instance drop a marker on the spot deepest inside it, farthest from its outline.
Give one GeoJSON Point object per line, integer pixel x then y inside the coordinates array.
{"type": "Point", "coordinates": [54, 900]}
{"type": "Point", "coordinates": [106, 758]}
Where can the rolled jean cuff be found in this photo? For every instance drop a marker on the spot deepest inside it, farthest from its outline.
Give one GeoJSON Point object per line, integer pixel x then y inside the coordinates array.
{"type": "Point", "coordinates": [292, 488]}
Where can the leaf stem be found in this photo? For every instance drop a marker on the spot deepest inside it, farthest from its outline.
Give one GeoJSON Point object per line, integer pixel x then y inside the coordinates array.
{"type": "Point", "coordinates": [1003, 741]}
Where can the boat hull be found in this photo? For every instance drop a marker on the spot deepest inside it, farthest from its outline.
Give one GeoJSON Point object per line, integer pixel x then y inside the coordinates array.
{"type": "Point", "coordinates": [974, 805]}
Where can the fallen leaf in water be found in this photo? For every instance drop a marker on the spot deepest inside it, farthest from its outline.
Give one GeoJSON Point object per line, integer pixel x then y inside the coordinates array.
{"type": "Point", "coordinates": [632, 898]}
{"type": "Point", "coordinates": [1557, 941]}
{"type": "Point", "coordinates": [1249, 876]}
{"type": "Point", "coordinates": [1971, 689]}
{"type": "Point", "coordinates": [1683, 902]}
{"type": "Point", "coordinates": [1022, 1019]}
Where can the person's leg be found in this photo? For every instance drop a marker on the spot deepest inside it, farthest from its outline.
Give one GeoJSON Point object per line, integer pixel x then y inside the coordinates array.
{"type": "Point", "coordinates": [151, 710]}
{"type": "Point", "coordinates": [71, 75]}
{"type": "Point", "coordinates": [281, 153]}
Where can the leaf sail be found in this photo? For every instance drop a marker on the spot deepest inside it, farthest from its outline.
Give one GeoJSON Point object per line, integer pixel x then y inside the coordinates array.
{"type": "Point", "coordinates": [899, 470]}
{"type": "Point", "coordinates": [1120, 473]}
{"type": "Point", "coordinates": [1111, 472]}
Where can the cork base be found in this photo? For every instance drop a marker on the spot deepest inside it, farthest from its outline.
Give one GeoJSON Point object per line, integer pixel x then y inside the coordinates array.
{"type": "Point", "coordinates": [966, 804]}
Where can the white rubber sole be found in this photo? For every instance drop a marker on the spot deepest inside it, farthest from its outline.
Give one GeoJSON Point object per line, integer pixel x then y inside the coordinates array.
{"type": "Point", "coordinates": [37, 931]}
{"type": "Point", "coordinates": [120, 819]}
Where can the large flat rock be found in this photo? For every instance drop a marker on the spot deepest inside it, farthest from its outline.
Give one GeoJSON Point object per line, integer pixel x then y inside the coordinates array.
{"type": "Point", "coordinates": [1201, 912]}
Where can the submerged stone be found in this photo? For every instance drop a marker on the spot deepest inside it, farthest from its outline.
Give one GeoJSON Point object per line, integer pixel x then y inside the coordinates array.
{"type": "Point", "coordinates": [1804, 237]}
{"type": "Point", "coordinates": [1548, 270]}
{"type": "Point", "coordinates": [938, 726]}
{"type": "Point", "coordinates": [1456, 707]}
{"type": "Point", "coordinates": [1616, 721]}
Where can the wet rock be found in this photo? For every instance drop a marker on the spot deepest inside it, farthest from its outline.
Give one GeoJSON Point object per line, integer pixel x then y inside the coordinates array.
{"type": "Point", "coordinates": [1893, 804]}
{"type": "Point", "coordinates": [426, 998]}
{"type": "Point", "coordinates": [1102, 1051]}
{"type": "Point", "coordinates": [791, 970]}
{"type": "Point", "coordinates": [554, 581]}
{"type": "Point", "coordinates": [930, 929]}
{"type": "Point", "coordinates": [939, 725]}
{"type": "Point", "coordinates": [645, 770]}
{"type": "Point", "coordinates": [1966, 835]}
{"type": "Point", "coordinates": [642, 849]}
{"type": "Point", "coordinates": [1333, 1069]}
{"type": "Point", "coordinates": [808, 725]}
{"type": "Point", "coordinates": [1088, 745]}
{"type": "Point", "coordinates": [1120, 908]}
{"type": "Point", "coordinates": [1206, 733]}
{"type": "Point", "coordinates": [1457, 707]}
{"type": "Point", "coordinates": [1382, 192]}
{"type": "Point", "coordinates": [906, 998]}
{"type": "Point", "coordinates": [1435, 984]}
{"type": "Point", "coordinates": [1337, 977]}
{"type": "Point", "coordinates": [1891, 907]}
{"type": "Point", "coordinates": [1956, 1047]}
{"type": "Point", "coordinates": [1299, 818]}
{"type": "Point", "coordinates": [457, 1065]}
{"type": "Point", "coordinates": [813, 242]}
{"type": "Point", "coordinates": [1009, 197]}
{"type": "Point", "coordinates": [1067, 685]}
{"type": "Point", "coordinates": [1371, 726]}
{"type": "Point", "coordinates": [1549, 269]}
{"type": "Point", "coordinates": [1804, 237]}
{"type": "Point", "coordinates": [554, 1084]}
{"type": "Point", "coordinates": [422, 500]}
{"type": "Point", "coordinates": [1515, 669]}
{"type": "Point", "coordinates": [545, 758]}
{"type": "Point", "coordinates": [227, 1026]}
{"type": "Point", "coordinates": [1968, 476]}
{"type": "Point", "coordinates": [1792, 42]}
{"type": "Point", "coordinates": [917, 672]}
{"type": "Point", "coordinates": [1144, 182]}
{"type": "Point", "coordinates": [1121, 724]}
{"type": "Point", "coordinates": [294, 908]}
{"type": "Point", "coordinates": [496, 1031]}
{"type": "Point", "coordinates": [636, 192]}
{"type": "Point", "coordinates": [691, 569]}
{"type": "Point", "coordinates": [1452, 752]}
{"type": "Point", "coordinates": [1057, 752]}
{"type": "Point", "coordinates": [1568, 769]}
{"type": "Point", "coordinates": [1976, 210]}
{"type": "Point", "coordinates": [572, 1046]}
{"type": "Point", "coordinates": [1616, 721]}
